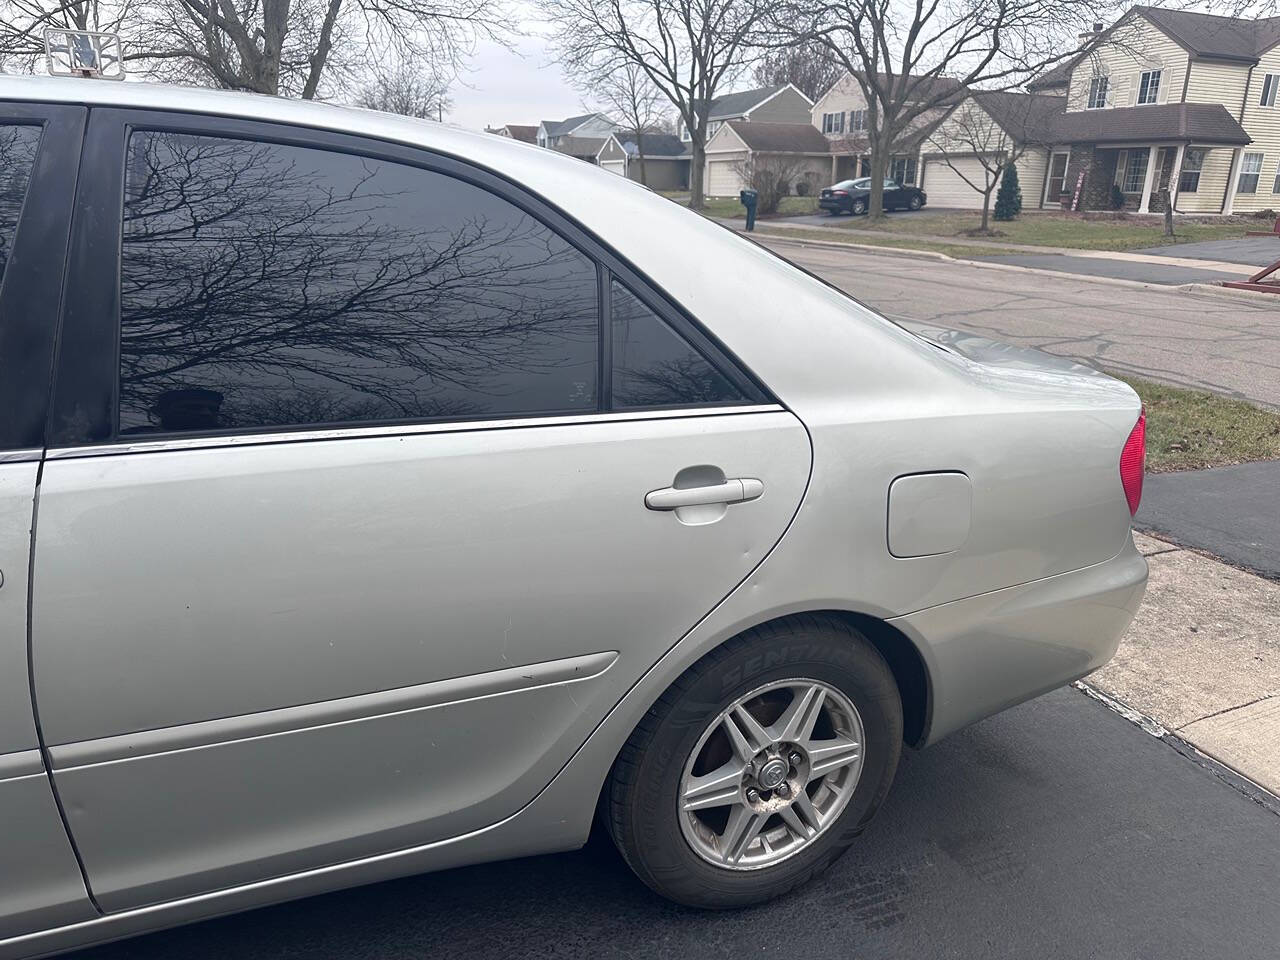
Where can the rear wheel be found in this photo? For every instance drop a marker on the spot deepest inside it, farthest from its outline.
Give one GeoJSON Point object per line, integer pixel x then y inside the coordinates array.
{"type": "Point", "coordinates": [759, 766]}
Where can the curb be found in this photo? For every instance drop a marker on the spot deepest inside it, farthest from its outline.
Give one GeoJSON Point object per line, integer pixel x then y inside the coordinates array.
{"type": "Point", "coordinates": [1233, 777]}
{"type": "Point", "coordinates": [1203, 289]}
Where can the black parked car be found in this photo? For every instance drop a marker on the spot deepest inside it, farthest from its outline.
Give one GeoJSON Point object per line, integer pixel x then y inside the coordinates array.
{"type": "Point", "coordinates": [854, 196]}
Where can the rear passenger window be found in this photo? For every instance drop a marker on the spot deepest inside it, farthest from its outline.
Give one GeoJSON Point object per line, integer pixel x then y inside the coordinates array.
{"type": "Point", "coordinates": [653, 366]}
{"type": "Point", "coordinates": [268, 285]}
{"type": "Point", "coordinates": [18, 146]}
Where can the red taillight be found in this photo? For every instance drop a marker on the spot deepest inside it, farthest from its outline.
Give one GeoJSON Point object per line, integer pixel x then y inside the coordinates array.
{"type": "Point", "coordinates": [1133, 461]}
{"type": "Point", "coordinates": [839, 193]}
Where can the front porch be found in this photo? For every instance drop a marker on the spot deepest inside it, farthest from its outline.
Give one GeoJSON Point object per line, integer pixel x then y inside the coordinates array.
{"type": "Point", "coordinates": [1200, 177]}
{"type": "Point", "coordinates": [1192, 148]}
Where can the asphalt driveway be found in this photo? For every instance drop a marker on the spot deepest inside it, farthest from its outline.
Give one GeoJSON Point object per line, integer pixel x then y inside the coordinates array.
{"type": "Point", "coordinates": [1259, 251]}
{"type": "Point", "coordinates": [1171, 274]}
{"type": "Point", "coordinates": [1232, 512]}
{"type": "Point", "coordinates": [1057, 829]}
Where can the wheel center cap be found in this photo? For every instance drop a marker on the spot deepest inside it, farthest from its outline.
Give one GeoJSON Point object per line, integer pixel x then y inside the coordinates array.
{"type": "Point", "coordinates": [772, 773]}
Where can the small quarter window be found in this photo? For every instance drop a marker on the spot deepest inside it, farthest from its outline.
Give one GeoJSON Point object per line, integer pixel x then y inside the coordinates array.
{"type": "Point", "coordinates": [653, 366]}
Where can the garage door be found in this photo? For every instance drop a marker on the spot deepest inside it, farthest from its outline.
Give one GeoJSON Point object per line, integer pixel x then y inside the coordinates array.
{"type": "Point", "coordinates": [946, 188]}
{"type": "Point", "coordinates": [723, 179]}
{"type": "Point", "coordinates": [615, 166]}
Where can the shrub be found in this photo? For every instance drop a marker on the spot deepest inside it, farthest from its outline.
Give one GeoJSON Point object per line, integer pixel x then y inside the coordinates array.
{"type": "Point", "coordinates": [1009, 197]}
{"type": "Point", "coordinates": [802, 188]}
{"type": "Point", "coordinates": [1117, 197]}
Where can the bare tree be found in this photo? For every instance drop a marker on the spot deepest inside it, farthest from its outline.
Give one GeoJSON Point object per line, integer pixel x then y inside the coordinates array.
{"type": "Point", "coordinates": [690, 50]}
{"type": "Point", "coordinates": [771, 176]}
{"type": "Point", "coordinates": [628, 95]}
{"type": "Point", "coordinates": [994, 129]}
{"type": "Point", "coordinates": [409, 91]}
{"type": "Point", "coordinates": [22, 25]}
{"type": "Point", "coordinates": [298, 48]}
{"type": "Point", "coordinates": [912, 58]}
{"type": "Point", "coordinates": [807, 65]}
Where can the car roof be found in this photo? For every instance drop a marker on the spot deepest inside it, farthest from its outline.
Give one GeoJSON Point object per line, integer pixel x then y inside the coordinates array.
{"type": "Point", "coordinates": [250, 106]}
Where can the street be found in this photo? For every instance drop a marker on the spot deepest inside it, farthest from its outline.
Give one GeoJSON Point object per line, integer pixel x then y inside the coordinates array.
{"type": "Point", "coordinates": [1057, 829]}
{"type": "Point", "coordinates": [1217, 343]}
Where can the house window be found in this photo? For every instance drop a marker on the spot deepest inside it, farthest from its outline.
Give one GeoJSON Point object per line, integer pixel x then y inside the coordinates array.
{"type": "Point", "coordinates": [1098, 92]}
{"type": "Point", "coordinates": [1192, 164]}
{"type": "Point", "coordinates": [1057, 177]}
{"type": "Point", "coordinates": [857, 119]}
{"type": "Point", "coordinates": [1275, 187]}
{"type": "Point", "coordinates": [903, 169]}
{"type": "Point", "coordinates": [1250, 171]}
{"type": "Point", "coordinates": [1149, 87]}
{"type": "Point", "coordinates": [1135, 171]}
{"type": "Point", "coordinates": [1269, 83]}
{"type": "Point", "coordinates": [833, 122]}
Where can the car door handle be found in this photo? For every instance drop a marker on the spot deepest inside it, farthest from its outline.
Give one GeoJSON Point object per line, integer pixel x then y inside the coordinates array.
{"type": "Point", "coordinates": [731, 491]}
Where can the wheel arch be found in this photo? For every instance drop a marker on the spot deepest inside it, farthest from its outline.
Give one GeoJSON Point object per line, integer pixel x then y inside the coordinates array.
{"type": "Point", "coordinates": [908, 666]}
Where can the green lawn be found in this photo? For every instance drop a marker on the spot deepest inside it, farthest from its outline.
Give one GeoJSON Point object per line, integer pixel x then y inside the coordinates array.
{"type": "Point", "coordinates": [730, 207]}
{"type": "Point", "coordinates": [873, 238]}
{"type": "Point", "coordinates": [1051, 229]}
{"type": "Point", "coordinates": [1190, 429]}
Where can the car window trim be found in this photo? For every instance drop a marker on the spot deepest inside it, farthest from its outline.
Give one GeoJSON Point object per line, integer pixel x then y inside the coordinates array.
{"type": "Point", "coordinates": [188, 442]}
{"type": "Point", "coordinates": [91, 323]}
{"type": "Point", "coordinates": [33, 285]}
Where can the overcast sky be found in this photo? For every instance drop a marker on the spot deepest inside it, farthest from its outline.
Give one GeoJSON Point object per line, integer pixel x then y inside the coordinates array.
{"type": "Point", "coordinates": [520, 86]}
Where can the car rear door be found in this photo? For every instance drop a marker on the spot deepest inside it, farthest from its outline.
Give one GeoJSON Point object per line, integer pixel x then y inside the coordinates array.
{"type": "Point", "coordinates": [354, 525]}
{"type": "Point", "coordinates": [40, 882]}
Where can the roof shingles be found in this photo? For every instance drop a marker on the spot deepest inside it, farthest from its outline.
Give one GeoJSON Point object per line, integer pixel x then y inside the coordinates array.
{"type": "Point", "coordinates": [1207, 123]}
{"type": "Point", "coordinates": [780, 137]}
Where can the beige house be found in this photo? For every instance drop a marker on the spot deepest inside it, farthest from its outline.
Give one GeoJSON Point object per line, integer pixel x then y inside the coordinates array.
{"type": "Point", "coordinates": [1167, 97]}
{"type": "Point", "coordinates": [797, 150]}
{"type": "Point", "coordinates": [963, 154]}
{"type": "Point", "coordinates": [779, 104]}
{"type": "Point", "coordinates": [841, 116]}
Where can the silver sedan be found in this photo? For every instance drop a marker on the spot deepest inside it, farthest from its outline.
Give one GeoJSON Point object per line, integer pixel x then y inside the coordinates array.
{"type": "Point", "coordinates": [377, 498]}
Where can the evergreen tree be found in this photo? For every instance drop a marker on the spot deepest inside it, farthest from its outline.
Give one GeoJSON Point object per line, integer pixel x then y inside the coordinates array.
{"type": "Point", "coordinates": [1009, 198]}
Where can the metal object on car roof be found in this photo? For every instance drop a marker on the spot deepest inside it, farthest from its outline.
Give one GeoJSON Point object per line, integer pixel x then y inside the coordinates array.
{"type": "Point", "coordinates": [83, 53]}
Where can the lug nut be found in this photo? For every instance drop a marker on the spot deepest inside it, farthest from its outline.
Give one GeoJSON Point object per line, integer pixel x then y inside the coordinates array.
{"type": "Point", "coordinates": [796, 759]}
{"type": "Point", "coordinates": [784, 790]}
{"type": "Point", "coordinates": [753, 795]}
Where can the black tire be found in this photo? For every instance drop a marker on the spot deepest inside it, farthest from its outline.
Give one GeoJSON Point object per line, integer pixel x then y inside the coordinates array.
{"type": "Point", "coordinates": [641, 805]}
{"type": "Point", "coordinates": [859, 207]}
{"type": "Point", "coordinates": [915, 203]}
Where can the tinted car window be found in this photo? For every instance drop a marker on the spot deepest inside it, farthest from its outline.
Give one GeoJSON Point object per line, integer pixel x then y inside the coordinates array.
{"type": "Point", "coordinates": [269, 285]}
{"type": "Point", "coordinates": [18, 146]}
{"type": "Point", "coordinates": [653, 366]}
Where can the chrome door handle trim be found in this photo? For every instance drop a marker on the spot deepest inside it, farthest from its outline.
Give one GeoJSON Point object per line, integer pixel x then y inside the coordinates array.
{"type": "Point", "coordinates": [731, 491]}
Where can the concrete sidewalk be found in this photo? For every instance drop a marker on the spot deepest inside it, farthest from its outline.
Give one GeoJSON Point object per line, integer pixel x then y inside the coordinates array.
{"type": "Point", "coordinates": [1202, 659]}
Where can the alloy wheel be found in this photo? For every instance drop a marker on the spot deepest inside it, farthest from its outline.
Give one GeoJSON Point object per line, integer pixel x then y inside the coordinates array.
{"type": "Point", "coordinates": [768, 775]}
